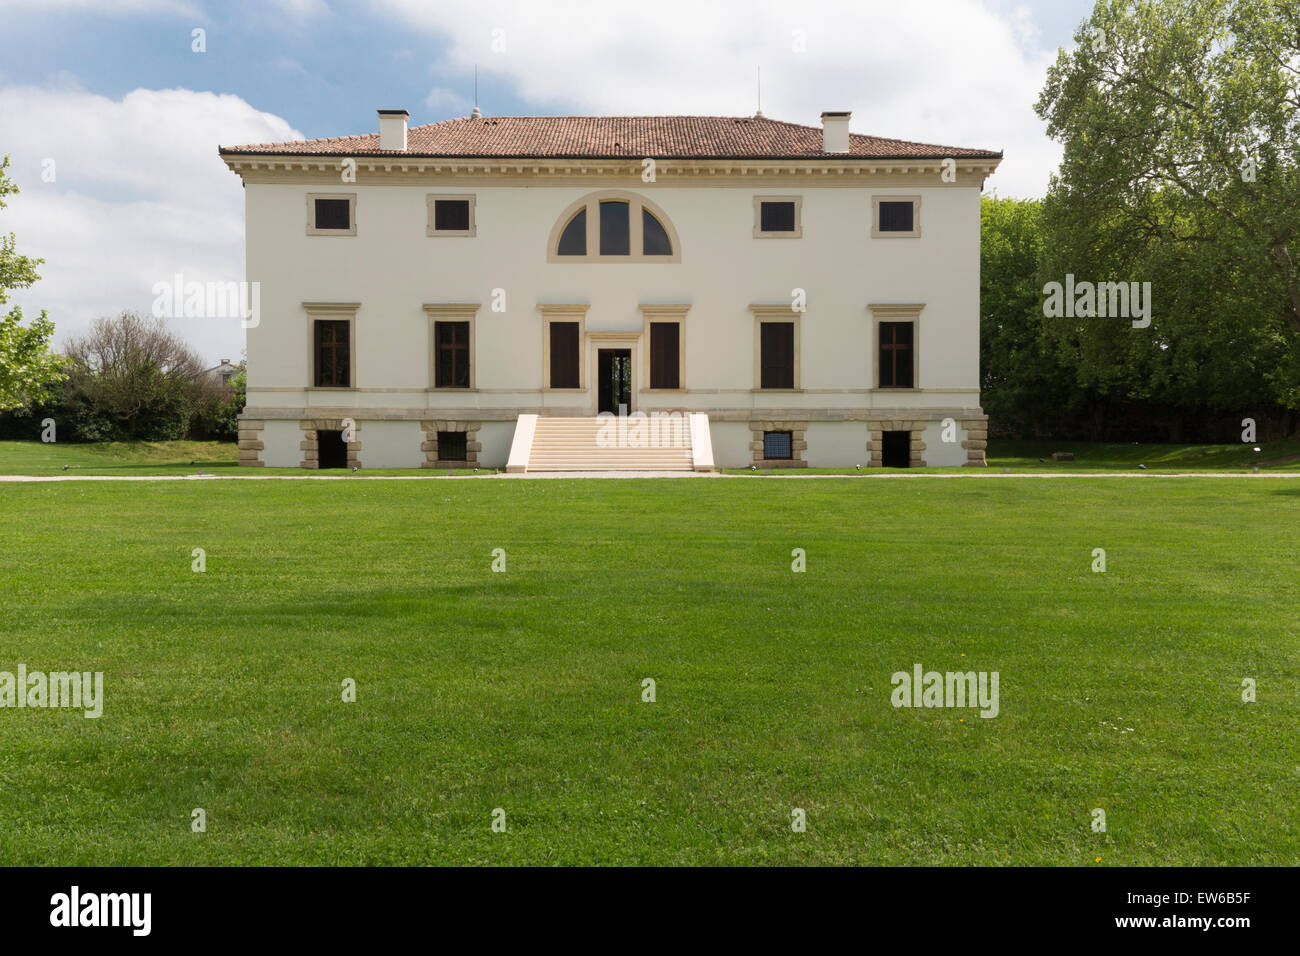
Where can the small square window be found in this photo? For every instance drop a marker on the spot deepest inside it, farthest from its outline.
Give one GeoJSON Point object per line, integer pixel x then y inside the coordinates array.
{"type": "Point", "coordinates": [777, 217]}
{"type": "Point", "coordinates": [896, 216]}
{"type": "Point", "coordinates": [778, 446]}
{"type": "Point", "coordinates": [451, 216]}
{"type": "Point", "coordinates": [333, 214]}
{"type": "Point", "coordinates": [452, 446]}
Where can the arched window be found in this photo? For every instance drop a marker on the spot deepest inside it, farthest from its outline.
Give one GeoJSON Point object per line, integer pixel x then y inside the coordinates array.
{"type": "Point", "coordinates": [613, 226]}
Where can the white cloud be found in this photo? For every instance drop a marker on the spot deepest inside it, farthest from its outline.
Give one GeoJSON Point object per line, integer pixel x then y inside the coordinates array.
{"type": "Point", "coordinates": [139, 195]}
{"type": "Point", "coordinates": [116, 7]}
{"type": "Point", "coordinates": [947, 71]}
{"type": "Point", "coordinates": [447, 102]}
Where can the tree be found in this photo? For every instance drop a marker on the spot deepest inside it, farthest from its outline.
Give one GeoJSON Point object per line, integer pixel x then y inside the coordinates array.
{"type": "Point", "coordinates": [1024, 388]}
{"type": "Point", "coordinates": [131, 378]}
{"type": "Point", "coordinates": [1181, 126]}
{"type": "Point", "coordinates": [28, 369]}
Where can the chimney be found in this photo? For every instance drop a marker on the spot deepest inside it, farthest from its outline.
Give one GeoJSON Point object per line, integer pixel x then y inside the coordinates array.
{"type": "Point", "coordinates": [392, 129]}
{"type": "Point", "coordinates": [835, 131]}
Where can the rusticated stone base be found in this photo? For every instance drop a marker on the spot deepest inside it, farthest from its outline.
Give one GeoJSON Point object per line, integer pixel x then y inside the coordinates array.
{"type": "Point", "coordinates": [430, 444]}
{"type": "Point", "coordinates": [310, 446]}
{"type": "Point", "coordinates": [798, 442]}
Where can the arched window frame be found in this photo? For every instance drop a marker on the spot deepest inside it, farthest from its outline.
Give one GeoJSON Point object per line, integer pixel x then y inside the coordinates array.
{"type": "Point", "coordinates": [591, 203]}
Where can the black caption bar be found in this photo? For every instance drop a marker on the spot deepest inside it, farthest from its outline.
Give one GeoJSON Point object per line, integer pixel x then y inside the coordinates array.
{"type": "Point", "coordinates": [140, 906]}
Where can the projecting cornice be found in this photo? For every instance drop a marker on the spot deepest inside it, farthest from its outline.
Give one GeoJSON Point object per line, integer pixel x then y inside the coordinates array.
{"type": "Point", "coordinates": [762, 173]}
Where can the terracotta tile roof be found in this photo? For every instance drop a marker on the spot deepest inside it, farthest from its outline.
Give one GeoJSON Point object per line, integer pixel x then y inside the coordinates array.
{"type": "Point", "coordinates": [633, 137]}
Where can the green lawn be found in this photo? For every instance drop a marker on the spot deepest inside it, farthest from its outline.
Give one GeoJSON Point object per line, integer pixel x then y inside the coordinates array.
{"type": "Point", "coordinates": [522, 690]}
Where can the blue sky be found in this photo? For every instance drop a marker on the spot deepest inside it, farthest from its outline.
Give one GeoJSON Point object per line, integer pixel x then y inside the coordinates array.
{"type": "Point", "coordinates": [114, 94]}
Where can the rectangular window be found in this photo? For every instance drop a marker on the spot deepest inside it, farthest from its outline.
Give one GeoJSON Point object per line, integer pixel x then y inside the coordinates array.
{"type": "Point", "coordinates": [896, 216]}
{"type": "Point", "coordinates": [778, 217]}
{"type": "Point", "coordinates": [333, 214]}
{"type": "Point", "coordinates": [451, 216]}
{"type": "Point", "coordinates": [615, 238]}
{"type": "Point", "coordinates": [332, 345]}
{"type": "Point", "coordinates": [452, 446]}
{"type": "Point", "coordinates": [778, 446]}
{"type": "Point", "coordinates": [777, 357]}
{"type": "Point", "coordinates": [896, 354]}
{"type": "Point", "coordinates": [452, 359]}
{"type": "Point", "coordinates": [665, 355]}
{"type": "Point", "coordinates": [564, 355]}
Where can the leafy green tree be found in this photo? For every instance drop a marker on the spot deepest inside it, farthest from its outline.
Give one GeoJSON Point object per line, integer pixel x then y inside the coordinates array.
{"type": "Point", "coordinates": [1024, 387]}
{"type": "Point", "coordinates": [28, 369]}
{"type": "Point", "coordinates": [1180, 121]}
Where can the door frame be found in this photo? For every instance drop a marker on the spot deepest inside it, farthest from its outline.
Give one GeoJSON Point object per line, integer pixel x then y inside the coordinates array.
{"type": "Point", "coordinates": [613, 340]}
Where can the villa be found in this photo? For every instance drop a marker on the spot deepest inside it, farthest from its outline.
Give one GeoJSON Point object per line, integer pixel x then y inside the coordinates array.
{"type": "Point", "coordinates": [479, 291]}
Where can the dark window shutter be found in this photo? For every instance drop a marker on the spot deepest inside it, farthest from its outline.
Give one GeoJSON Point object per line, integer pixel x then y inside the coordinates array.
{"type": "Point", "coordinates": [332, 344]}
{"type": "Point", "coordinates": [564, 355]}
{"type": "Point", "coordinates": [776, 216]}
{"type": "Point", "coordinates": [896, 216]}
{"type": "Point", "coordinates": [451, 215]}
{"type": "Point", "coordinates": [452, 359]}
{"type": "Point", "coordinates": [665, 355]}
{"type": "Point", "coordinates": [333, 214]}
{"type": "Point", "coordinates": [777, 359]}
{"type": "Point", "coordinates": [896, 355]}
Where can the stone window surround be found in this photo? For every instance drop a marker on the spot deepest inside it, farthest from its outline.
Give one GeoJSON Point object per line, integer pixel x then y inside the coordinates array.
{"type": "Point", "coordinates": [310, 445]}
{"type": "Point", "coordinates": [784, 312]}
{"type": "Point", "coordinates": [332, 311]}
{"type": "Point", "coordinates": [429, 446]}
{"type": "Point", "coordinates": [797, 233]}
{"type": "Point", "coordinates": [877, 199]}
{"type": "Point", "coordinates": [668, 314]}
{"type": "Point", "coordinates": [900, 312]}
{"type": "Point", "coordinates": [452, 312]}
{"type": "Point", "coordinates": [571, 312]}
{"type": "Point", "coordinates": [798, 442]}
{"type": "Point", "coordinates": [429, 201]}
{"type": "Point", "coordinates": [352, 214]}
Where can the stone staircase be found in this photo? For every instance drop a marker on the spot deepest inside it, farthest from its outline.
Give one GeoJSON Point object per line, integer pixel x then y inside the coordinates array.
{"type": "Point", "coordinates": [545, 443]}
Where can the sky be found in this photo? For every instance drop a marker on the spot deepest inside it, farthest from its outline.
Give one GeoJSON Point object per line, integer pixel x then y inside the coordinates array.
{"type": "Point", "coordinates": [112, 118]}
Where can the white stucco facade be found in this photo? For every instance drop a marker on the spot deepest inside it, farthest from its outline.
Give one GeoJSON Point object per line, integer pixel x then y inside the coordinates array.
{"type": "Point", "coordinates": [390, 279]}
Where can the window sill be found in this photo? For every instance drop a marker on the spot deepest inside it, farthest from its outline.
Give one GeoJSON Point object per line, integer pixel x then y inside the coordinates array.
{"type": "Point", "coordinates": [661, 391]}
{"type": "Point", "coordinates": [450, 388]}
{"type": "Point", "coordinates": [567, 391]}
{"type": "Point", "coordinates": [762, 391]}
{"type": "Point", "coordinates": [331, 388]}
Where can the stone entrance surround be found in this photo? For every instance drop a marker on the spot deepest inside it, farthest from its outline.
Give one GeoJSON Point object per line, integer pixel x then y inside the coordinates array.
{"type": "Point", "coordinates": [310, 446]}
{"type": "Point", "coordinates": [975, 442]}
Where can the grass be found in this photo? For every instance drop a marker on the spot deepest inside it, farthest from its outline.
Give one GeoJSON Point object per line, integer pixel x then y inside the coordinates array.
{"type": "Point", "coordinates": [522, 690]}
{"type": "Point", "coordinates": [147, 458]}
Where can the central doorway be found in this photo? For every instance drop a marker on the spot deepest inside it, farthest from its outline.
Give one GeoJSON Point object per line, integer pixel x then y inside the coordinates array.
{"type": "Point", "coordinates": [614, 378]}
